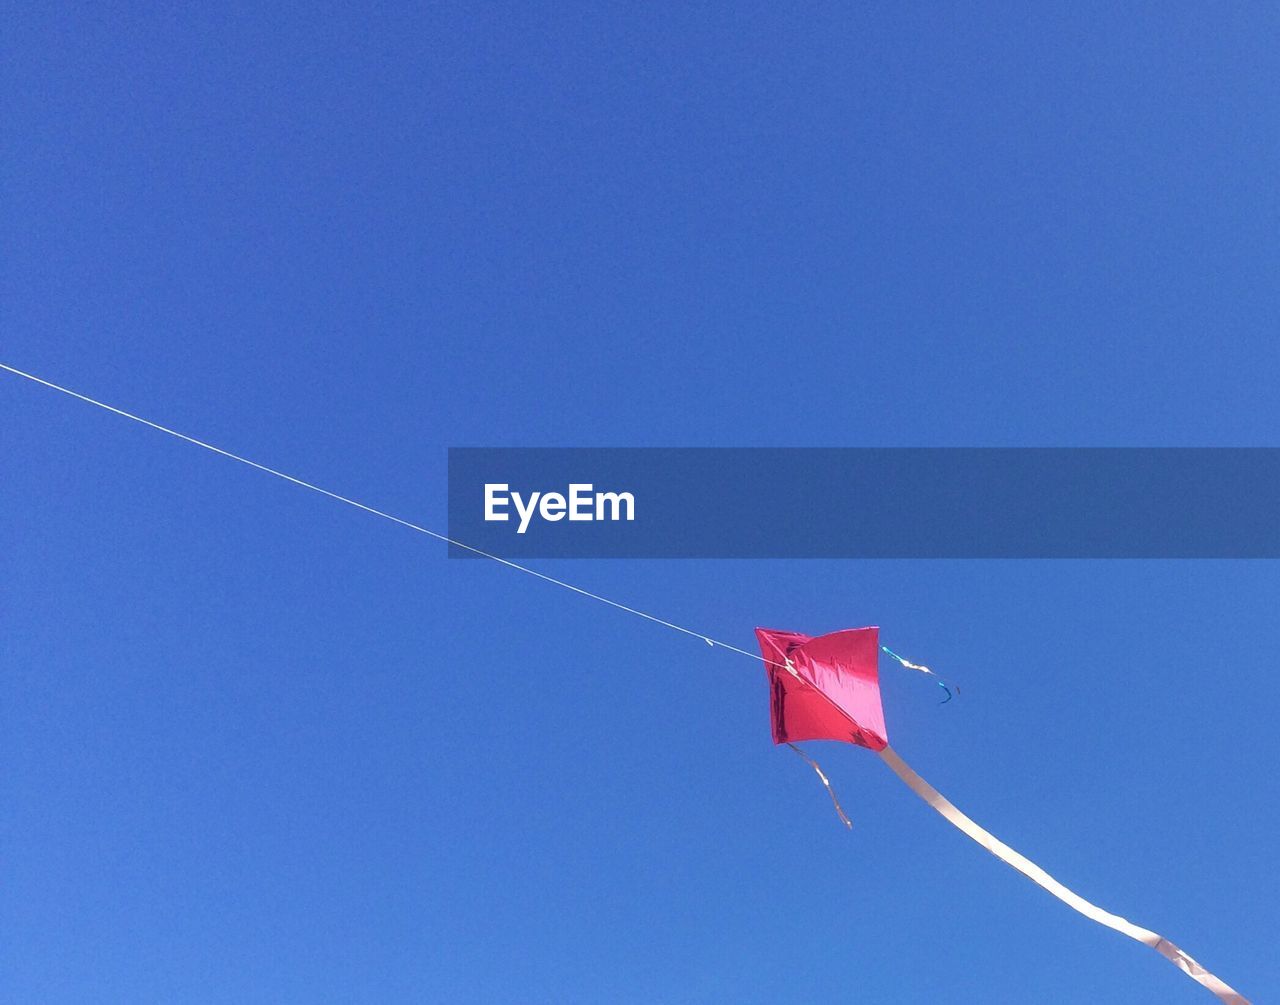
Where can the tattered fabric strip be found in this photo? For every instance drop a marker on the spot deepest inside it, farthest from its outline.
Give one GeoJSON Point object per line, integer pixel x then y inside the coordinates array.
{"type": "Point", "coordinates": [823, 778]}
{"type": "Point", "coordinates": [1007, 855]}
{"type": "Point", "coordinates": [916, 666]}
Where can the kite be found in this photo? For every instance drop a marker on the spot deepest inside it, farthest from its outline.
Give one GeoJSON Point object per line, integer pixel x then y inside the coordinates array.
{"type": "Point", "coordinates": [828, 688]}
{"type": "Point", "coordinates": [824, 688]}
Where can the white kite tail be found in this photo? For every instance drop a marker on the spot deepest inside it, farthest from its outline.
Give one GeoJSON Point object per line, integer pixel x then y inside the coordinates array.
{"type": "Point", "coordinates": [1038, 876]}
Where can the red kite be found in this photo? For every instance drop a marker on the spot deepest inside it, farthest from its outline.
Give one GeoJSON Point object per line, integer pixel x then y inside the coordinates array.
{"type": "Point", "coordinates": [822, 688]}
{"type": "Point", "coordinates": [828, 688]}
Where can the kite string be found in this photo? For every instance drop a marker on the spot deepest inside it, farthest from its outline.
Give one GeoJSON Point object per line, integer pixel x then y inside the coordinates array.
{"type": "Point", "coordinates": [377, 512]}
{"type": "Point", "coordinates": [410, 525]}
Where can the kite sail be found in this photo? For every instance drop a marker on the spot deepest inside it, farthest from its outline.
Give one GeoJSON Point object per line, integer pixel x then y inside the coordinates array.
{"type": "Point", "coordinates": [828, 688]}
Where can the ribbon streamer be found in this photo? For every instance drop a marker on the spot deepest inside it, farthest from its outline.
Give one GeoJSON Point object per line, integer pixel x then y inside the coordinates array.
{"type": "Point", "coordinates": [830, 791]}
{"type": "Point", "coordinates": [916, 666]}
{"type": "Point", "coordinates": [1224, 993]}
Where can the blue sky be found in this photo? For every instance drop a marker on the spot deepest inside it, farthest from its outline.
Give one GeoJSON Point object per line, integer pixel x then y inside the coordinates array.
{"type": "Point", "coordinates": [261, 747]}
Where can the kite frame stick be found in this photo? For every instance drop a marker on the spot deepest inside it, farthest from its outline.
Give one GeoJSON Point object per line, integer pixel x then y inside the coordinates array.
{"type": "Point", "coordinates": [1225, 994]}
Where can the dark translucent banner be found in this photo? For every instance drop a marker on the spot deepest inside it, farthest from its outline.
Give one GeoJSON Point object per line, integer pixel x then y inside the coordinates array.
{"type": "Point", "coordinates": [866, 502]}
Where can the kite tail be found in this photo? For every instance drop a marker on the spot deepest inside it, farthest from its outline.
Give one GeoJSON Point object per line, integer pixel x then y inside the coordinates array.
{"type": "Point", "coordinates": [1008, 856]}
{"type": "Point", "coordinates": [830, 791]}
{"type": "Point", "coordinates": [916, 666]}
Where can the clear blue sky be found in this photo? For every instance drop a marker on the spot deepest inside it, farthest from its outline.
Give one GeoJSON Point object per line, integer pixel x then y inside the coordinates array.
{"type": "Point", "coordinates": [258, 747]}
